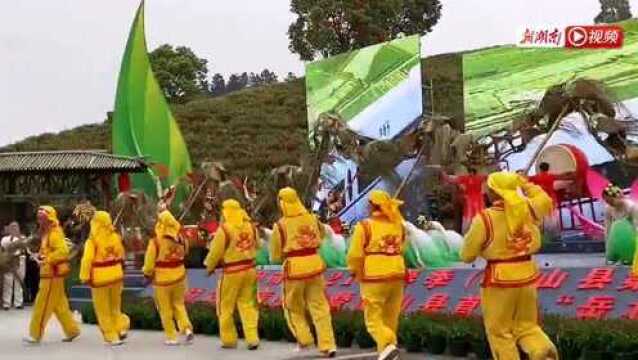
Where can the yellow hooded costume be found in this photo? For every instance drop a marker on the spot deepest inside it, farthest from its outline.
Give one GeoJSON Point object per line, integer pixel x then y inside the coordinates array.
{"type": "Point", "coordinates": [164, 264]}
{"type": "Point", "coordinates": [376, 259]}
{"type": "Point", "coordinates": [506, 235]}
{"type": "Point", "coordinates": [101, 268]}
{"type": "Point", "coordinates": [296, 240]}
{"type": "Point", "coordinates": [234, 249]}
{"type": "Point", "coordinates": [54, 267]}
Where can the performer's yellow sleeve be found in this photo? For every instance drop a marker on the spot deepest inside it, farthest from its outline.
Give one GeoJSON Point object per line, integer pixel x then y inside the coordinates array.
{"type": "Point", "coordinates": [540, 203]}
{"type": "Point", "coordinates": [60, 251]}
{"type": "Point", "coordinates": [149, 259]}
{"type": "Point", "coordinates": [356, 253]}
{"type": "Point", "coordinates": [216, 252]}
{"type": "Point", "coordinates": [87, 261]}
{"type": "Point", "coordinates": [474, 240]}
{"type": "Point", "coordinates": [275, 245]}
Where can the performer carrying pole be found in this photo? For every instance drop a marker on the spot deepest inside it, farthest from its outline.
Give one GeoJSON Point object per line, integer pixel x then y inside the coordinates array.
{"type": "Point", "coordinates": [53, 259]}
{"type": "Point", "coordinates": [164, 264]}
{"type": "Point", "coordinates": [296, 240]}
{"type": "Point", "coordinates": [234, 249]}
{"type": "Point", "coordinates": [507, 235]}
{"type": "Point", "coordinates": [101, 268]}
{"type": "Point", "coordinates": [376, 260]}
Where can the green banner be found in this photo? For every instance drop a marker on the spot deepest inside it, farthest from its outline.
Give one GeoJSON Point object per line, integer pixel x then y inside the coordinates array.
{"type": "Point", "coordinates": [143, 125]}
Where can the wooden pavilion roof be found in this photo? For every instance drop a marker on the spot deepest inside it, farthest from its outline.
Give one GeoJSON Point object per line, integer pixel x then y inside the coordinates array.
{"type": "Point", "coordinates": [68, 161]}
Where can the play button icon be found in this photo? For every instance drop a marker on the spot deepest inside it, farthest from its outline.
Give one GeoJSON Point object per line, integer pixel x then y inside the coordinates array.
{"type": "Point", "coordinates": [576, 37]}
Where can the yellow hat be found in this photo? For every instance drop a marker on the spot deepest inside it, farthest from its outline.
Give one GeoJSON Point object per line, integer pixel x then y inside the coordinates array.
{"type": "Point", "coordinates": [506, 185]}
{"type": "Point", "coordinates": [51, 214]}
{"type": "Point", "coordinates": [167, 225]}
{"type": "Point", "coordinates": [388, 206]}
{"type": "Point", "coordinates": [101, 224]}
{"type": "Point", "coordinates": [290, 203]}
{"type": "Point", "coordinates": [233, 212]}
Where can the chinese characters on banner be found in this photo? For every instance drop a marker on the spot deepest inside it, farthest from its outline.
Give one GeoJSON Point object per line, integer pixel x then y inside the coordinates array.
{"type": "Point", "coordinates": [586, 293]}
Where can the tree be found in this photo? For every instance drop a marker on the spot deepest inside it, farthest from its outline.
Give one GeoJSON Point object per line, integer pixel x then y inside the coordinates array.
{"type": "Point", "coordinates": [331, 27]}
{"type": "Point", "coordinates": [180, 73]}
{"type": "Point", "coordinates": [268, 77]}
{"type": "Point", "coordinates": [290, 77]}
{"type": "Point", "coordinates": [218, 85]}
{"type": "Point", "coordinates": [613, 11]}
{"type": "Point", "coordinates": [237, 82]}
{"type": "Point", "coordinates": [255, 80]}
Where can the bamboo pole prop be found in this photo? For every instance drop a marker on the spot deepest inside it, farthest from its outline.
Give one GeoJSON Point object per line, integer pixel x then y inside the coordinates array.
{"type": "Point", "coordinates": [544, 142]}
{"type": "Point", "coordinates": [405, 181]}
{"type": "Point", "coordinates": [191, 200]}
{"type": "Point", "coordinates": [119, 214]}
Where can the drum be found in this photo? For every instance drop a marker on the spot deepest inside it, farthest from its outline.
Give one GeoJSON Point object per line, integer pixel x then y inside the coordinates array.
{"type": "Point", "coordinates": [564, 158]}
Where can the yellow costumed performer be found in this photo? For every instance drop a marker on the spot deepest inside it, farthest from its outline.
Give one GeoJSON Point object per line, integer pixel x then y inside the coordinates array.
{"type": "Point", "coordinates": [376, 260]}
{"type": "Point", "coordinates": [164, 264]}
{"type": "Point", "coordinates": [234, 249]}
{"type": "Point", "coordinates": [506, 235]}
{"type": "Point", "coordinates": [53, 259]}
{"type": "Point", "coordinates": [296, 239]}
{"type": "Point", "coordinates": [102, 269]}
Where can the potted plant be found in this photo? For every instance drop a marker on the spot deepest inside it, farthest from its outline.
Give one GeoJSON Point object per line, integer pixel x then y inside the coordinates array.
{"type": "Point", "coordinates": [412, 333]}
{"type": "Point", "coordinates": [625, 345]}
{"type": "Point", "coordinates": [437, 339]}
{"type": "Point", "coordinates": [88, 314]}
{"type": "Point", "coordinates": [361, 335]}
{"type": "Point", "coordinates": [596, 341]}
{"type": "Point", "coordinates": [273, 324]}
{"type": "Point", "coordinates": [208, 322]}
{"type": "Point", "coordinates": [343, 328]}
{"type": "Point", "coordinates": [478, 339]}
{"type": "Point", "coordinates": [458, 338]}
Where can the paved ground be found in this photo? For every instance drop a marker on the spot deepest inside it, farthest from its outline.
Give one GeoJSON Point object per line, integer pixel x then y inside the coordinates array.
{"type": "Point", "coordinates": [142, 345]}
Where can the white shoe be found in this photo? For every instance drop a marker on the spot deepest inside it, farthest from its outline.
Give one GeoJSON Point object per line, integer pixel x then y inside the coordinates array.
{"type": "Point", "coordinates": [115, 343]}
{"type": "Point", "coordinates": [171, 343]}
{"type": "Point", "coordinates": [189, 337]}
{"type": "Point", "coordinates": [389, 353]}
{"type": "Point", "coordinates": [329, 353]}
{"type": "Point", "coordinates": [30, 341]}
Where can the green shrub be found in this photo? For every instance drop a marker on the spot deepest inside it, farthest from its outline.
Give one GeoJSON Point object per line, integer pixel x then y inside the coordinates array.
{"type": "Point", "coordinates": [361, 335]}
{"type": "Point", "coordinates": [595, 342]}
{"type": "Point", "coordinates": [478, 339]}
{"type": "Point", "coordinates": [413, 332]}
{"type": "Point", "coordinates": [273, 324]}
{"type": "Point", "coordinates": [458, 336]}
{"type": "Point", "coordinates": [575, 339]}
{"type": "Point", "coordinates": [344, 328]}
{"type": "Point", "coordinates": [437, 340]}
{"type": "Point", "coordinates": [204, 319]}
{"type": "Point", "coordinates": [88, 314]}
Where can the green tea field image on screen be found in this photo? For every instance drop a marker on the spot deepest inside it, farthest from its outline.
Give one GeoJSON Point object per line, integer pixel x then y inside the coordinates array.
{"type": "Point", "coordinates": [375, 90]}
{"type": "Point", "coordinates": [500, 82]}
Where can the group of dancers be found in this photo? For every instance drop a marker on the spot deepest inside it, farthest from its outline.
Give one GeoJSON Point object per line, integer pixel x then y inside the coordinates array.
{"type": "Point", "coordinates": [505, 234]}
